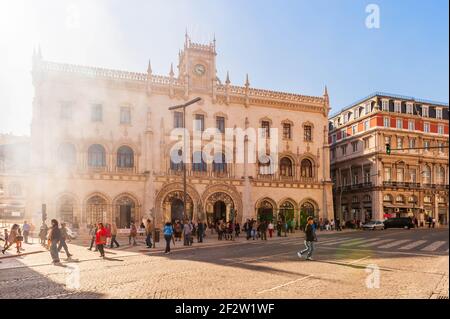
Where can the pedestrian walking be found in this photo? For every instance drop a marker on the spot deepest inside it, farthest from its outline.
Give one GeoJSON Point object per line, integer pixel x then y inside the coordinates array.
{"type": "Point", "coordinates": [200, 231]}
{"type": "Point", "coordinates": [133, 234]}
{"type": "Point", "coordinates": [100, 239]}
{"type": "Point", "coordinates": [6, 238]}
{"type": "Point", "coordinates": [168, 236]}
{"type": "Point", "coordinates": [12, 239]}
{"type": "Point", "coordinates": [93, 233]}
{"type": "Point", "coordinates": [247, 229]}
{"type": "Point", "coordinates": [279, 228]}
{"type": "Point", "coordinates": [263, 230]}
{"type": "Point", "coordinates": [187, 231]}
{"type": "Point", "coordinates": [54, 236]}
{"type": "Point", "coordinates": [148, 233]}
{"type": "Point", "coordinates": [43, 230]}
{"type": "Point", "coordinates": [62, 240]}
{"type": "Point", "coordinates": [254, 226]}
{"type": "Point", "coordinates": [270, 229]}
{"type": "Point", "coordinates": [309, 240]}
{"type": "Point", "coordinates": [26, 231]}
{"type": "Point", "coordinates": [237, 229]}
{"type": "Point", "coordinates": [19, 239]}
{"type": "Point", "coordinates": [114, 236]}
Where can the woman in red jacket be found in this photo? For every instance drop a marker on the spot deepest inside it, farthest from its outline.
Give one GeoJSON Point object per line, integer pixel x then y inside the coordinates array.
{"type": "Point", "coordinates": [100, 239]}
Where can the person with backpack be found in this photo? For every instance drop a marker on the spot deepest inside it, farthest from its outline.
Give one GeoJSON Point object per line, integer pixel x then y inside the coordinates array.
{"type": "Point", "coordinates": [310, 238]}
{"type": "Point", "coordinates": [54, 237]}
{"type": "Point", "coordinates": [168, 236]}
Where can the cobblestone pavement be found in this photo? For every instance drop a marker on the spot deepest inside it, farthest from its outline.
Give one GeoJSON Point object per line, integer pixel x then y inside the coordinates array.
{"type": "Point", "coordinates": [355, 264]}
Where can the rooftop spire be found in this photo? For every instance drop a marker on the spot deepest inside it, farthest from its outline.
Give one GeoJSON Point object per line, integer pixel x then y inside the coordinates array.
{"type": "Point", "coordinates": [326, 91]}
{"type": "Point", "coordinates": [247, 82]}
{"type": "Point", "coordinates": [227, 81]}
{"type": "Point", "coordinates": [171, 70]}
{"type": "Point", "coordinates": [149, 68]}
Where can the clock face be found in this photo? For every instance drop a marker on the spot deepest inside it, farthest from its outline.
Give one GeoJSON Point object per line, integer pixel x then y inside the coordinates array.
{"type": "Point", "coordinates": [199, 69]}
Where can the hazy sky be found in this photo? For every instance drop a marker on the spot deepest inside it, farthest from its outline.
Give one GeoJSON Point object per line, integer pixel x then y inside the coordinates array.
{"type": "Point", "coordinates": [294, 46]}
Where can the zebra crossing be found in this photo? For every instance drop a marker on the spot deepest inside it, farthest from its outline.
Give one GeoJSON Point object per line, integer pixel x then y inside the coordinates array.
{"type": "Point", "coordinates": [388, 243]}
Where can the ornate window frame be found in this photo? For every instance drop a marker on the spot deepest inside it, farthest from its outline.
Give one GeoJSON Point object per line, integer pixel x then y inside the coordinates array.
{"type": "Point", "coordinates": [311, 125]}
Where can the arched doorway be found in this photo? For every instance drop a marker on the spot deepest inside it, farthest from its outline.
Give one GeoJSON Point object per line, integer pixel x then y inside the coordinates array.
{"type": "Point", "coordinates": [176, 210]}
{"type": "Point", "coordinates": [220, 211]}
{"type": "Point", "coordinates": [307, 208]}
{"type": "Point", "coordinates": [220, 206]}
{"type": "Point", "coordinates": [173, 206]}
{"type": "Point", "coordinates": [96, 209]}
{"type": "Point", "coordinates": [65, 208]}
{"type": "Point", "coordinates": [286, 212]}
{"type": "Point", "coordinates": [265, 211]}
{"type": "Point", "coordinates": [125, 212]}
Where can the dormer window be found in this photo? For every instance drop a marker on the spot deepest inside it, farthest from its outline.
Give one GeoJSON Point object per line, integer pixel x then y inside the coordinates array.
{"type": "Point", "coordinates": [425, 111]}
{"type": "Point", "coordinates": [439, 113]}
{"type": "Point", "coordinates": [385, 105]}
{"type": "Point", "coordinates": [409, 108]}
{"type": "Point", "coordinates": [397, 107]}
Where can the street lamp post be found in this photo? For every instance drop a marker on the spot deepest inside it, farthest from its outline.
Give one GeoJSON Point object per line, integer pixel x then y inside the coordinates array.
{"type": "Point", "coordinates": [177, 107]}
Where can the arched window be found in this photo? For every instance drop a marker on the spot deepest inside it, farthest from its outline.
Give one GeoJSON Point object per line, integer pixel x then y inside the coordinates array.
{"type": "Point", "coordinates": [285, 167]}
{"type": "Point", "coordinates": [198, 164]}
{"type": "Point", "coordinates": [308, 209]}
{"type": "Point", "coordinates": [387, 198]}
{"type": "Point", "coordinates": [441, 175]}
{"type": "Point", "coordinates": [67, 154]}
{"type": "Point", "coordinates": [412, 199]}
{"type": "Point", "coordinates": [176, 160]}
{"type": "Point", "coordinates": [400, 199]}
{"type": "Point", "coordinates": [125, 157]}
{"type": "Point", "coordinates": [219, 163]}
{"type": "Point", "coordinates": [306, 168]}
{"type": "Point", "coordinates": [96, 156]}
{"type": "Point", "coordinates": [427, 175]}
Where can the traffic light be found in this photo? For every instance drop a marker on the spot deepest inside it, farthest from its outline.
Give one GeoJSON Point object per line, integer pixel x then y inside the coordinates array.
{"type": "Point", "coordinates": [44, 212]}
{"type": "Point", "coordinates": [388, 149]}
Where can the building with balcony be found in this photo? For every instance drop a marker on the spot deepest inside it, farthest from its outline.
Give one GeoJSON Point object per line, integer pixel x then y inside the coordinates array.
{"type": "Point", "coordinates": [102, 145]}
{"type": "Point", "coordinates": [412, 180]}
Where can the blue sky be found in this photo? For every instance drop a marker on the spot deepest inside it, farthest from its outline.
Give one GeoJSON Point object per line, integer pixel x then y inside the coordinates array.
{"type": "Point", "coordinates": [294, 46]}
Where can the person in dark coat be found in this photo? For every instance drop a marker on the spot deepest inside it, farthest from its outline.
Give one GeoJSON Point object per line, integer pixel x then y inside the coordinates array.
{"type": "Point", "coordinates": [54, 236]}
{"type": "Point", "coordinates": [310, 238]}
{"type": "Point", "coordinates": [200, 231]}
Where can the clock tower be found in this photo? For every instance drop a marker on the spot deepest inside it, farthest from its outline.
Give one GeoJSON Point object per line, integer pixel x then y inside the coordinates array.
{"type": "Point", "coordinates": [197, 66]}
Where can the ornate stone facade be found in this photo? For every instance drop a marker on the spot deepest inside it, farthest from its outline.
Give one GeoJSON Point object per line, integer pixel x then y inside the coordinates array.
{"type": "Point", "coordinates": [107, 134]}
{"type": "Point", "coordinates": [412, 180]}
